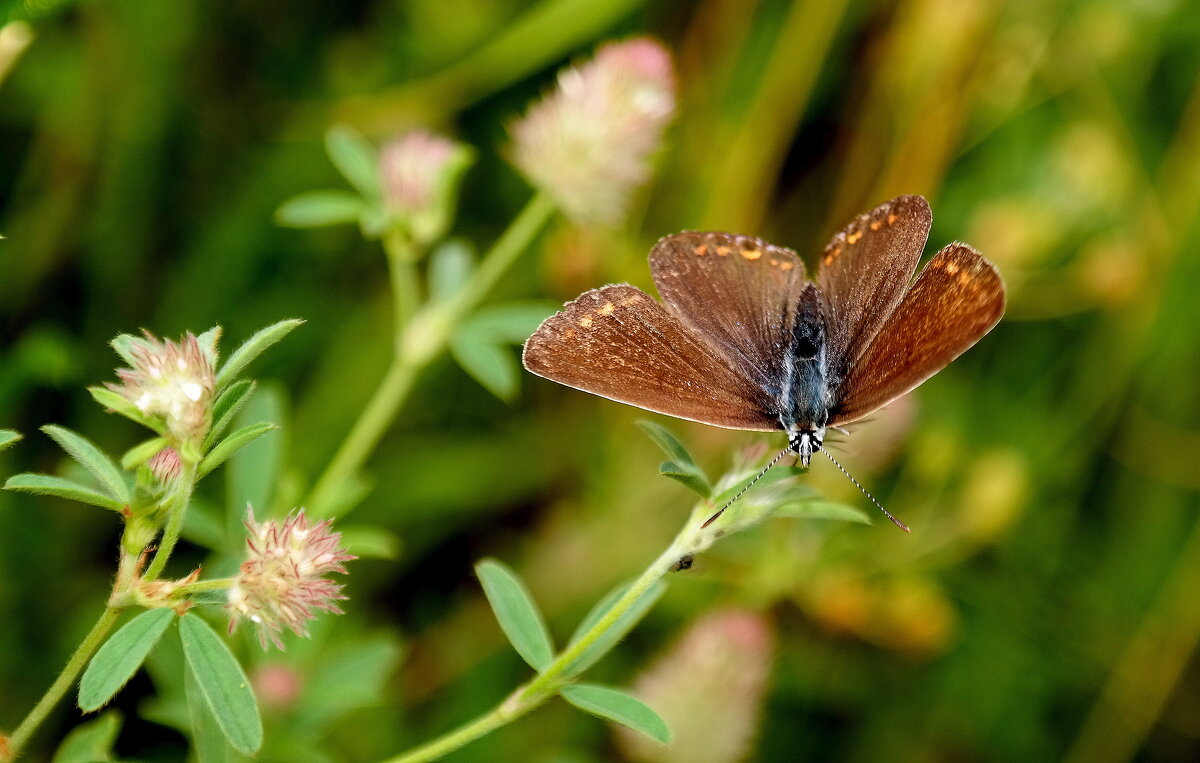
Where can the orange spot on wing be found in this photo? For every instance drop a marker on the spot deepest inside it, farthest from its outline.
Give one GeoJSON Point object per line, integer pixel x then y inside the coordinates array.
{"type": "Point", "coordinates": [751, 254]}
{"type": "Point", "coordinates": [854, 237]}
{"type": "Point", "coordinates": [701, 250]}
{"type": "Point", "coordinates": [785, 265]}
{"type": "Point", "coordinates": [876, 224]}
{"type": "Point", "coordinates": [722, 250]}
{"type": "Point", "coordinates": [586, 322]}
{"type": "Point", "coordinates": [606, 309]}
{"type": "Point", "coordinates": [892, 218]}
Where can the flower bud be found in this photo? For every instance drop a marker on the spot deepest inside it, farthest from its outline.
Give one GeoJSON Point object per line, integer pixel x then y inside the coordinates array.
{"type": "Point", "coordinates": [281, 583]}
{"type": "Point", "coordinates": [589, 143]}
{"type": "Point", "coordinates": [165, 465]}
{"type": "Point", "coordinates": [418, 172]}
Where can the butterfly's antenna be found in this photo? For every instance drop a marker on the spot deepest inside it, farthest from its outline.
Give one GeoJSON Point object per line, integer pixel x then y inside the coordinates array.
{"type": "Point", "coordinates": [878, 505]}
{"type": "Point", "coordinates": [749, 485]}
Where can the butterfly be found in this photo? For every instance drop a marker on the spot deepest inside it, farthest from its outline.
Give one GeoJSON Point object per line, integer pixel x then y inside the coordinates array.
{"type": "Point", "coordinates": [745, 340]}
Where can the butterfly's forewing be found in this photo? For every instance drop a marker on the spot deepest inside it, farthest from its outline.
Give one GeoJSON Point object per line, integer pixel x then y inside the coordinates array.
{"type": "Point", "coordinates": [955, 301]}
{"type": "Point", "coordinates": [619, 343]}
{"type": "Point", "coordinates": [864, 272]}
{"type": "Point", "coordinates": [738, 294]}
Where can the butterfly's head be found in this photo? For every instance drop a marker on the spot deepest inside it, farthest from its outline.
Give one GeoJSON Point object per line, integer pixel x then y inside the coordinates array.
{"type": "Point", "coordinates": [805, 440]}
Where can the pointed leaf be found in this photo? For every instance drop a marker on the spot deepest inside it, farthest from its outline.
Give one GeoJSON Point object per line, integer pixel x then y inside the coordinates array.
{"type": "Point", "coordinates": [91, 741]}
{"type": "Point", "coordinates": [208, 342]}
{"type": "Point", "coordinates": [681, 463]}
{"type": "Point", "coordinates": [821, 509]}
{"type": "Point", "coordinates": [316, 209]}
{"type": "Point", "coordinates": [616, 705]}
{"type": "Point", "coordinates": [232, 444]}
{"type": "Point", "coordinates": [252, 347]}
{"type": "Point", "coordinates": [450, 266]}
{"type": "Point", "coordinates": [773, 476]}
{"type": "Point", "coordinates": [355, 158]}
{"type": "Point", "coordinates": [115, 402]}
{"type": "Point", "coordinates": [93, 459]}
{"type": "Point", "coordinates": [223, 684]}
{"type": "Point", "coordinates": [623, 624]}
{"type": "Point", "coordinates": [490, 364]}
{"type": "Point", "coordinates": [120, 657]}
{"type": "Point", "coordinates": [227, 405]}
{"type": "Point", "coordinates": [142, 452]}
{"type": "Point", "coordinates": [8, 437]}
{"type": "Point", "coordinates": [691, 476]}
{"type": "Point", "coordinates": [46, 484]}
{"type": "Point", "coordinates": [123, 344]}
{"type": "Point", "coordinates": [517, 613]}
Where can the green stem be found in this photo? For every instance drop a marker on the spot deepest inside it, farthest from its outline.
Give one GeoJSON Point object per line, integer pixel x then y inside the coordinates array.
{"type": "Point", "coordinates": [547, 684]}
{"type": "Point", "coordinates": [179, 504]}
{"type": "Point", "coordinates": [406, 289]}
{"type": "Point", "coordinates": [91, 642]}
{"type": "Point", "coordinates": [420, 337]}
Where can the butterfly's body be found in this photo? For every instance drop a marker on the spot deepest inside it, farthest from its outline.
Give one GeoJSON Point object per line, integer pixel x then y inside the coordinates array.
{"type": "Point", "coordinates": [746, 341]}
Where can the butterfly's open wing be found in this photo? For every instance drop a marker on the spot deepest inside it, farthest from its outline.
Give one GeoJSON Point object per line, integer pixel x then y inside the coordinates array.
{"type": "Point", "coordinates": [955, 301]}
{"type": "Point", "coordinates": [619, 343]}
{"type": "Point", "coordinates": [864, 272]}
{"type": "Point", "coordinates": [736, 293]}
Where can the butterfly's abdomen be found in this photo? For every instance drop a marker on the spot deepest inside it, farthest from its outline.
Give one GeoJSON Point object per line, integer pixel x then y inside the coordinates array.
{"type": "Point", "coordinates": [804, 403]}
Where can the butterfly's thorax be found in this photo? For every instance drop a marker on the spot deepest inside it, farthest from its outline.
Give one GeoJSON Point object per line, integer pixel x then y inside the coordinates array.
{"type": "Point", "coordinates": [804, 395]}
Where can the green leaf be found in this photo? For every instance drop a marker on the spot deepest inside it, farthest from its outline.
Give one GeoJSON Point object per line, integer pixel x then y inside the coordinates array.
{"type": "Point", "coordinates": [316, 209]}
{"type": "Point", "coordinates": [227, 405]}
{"type": "Point", "coordinates": [773, 476]}
{"type": "Point", "coordinates": [368, 541]}
{"type": "Point", "coordinates": [208, 342]}
{"type": "Point", "coordinates": [692, 477]}
{"type": "Point", "coordinates": [93, 459]}
{"type": "Point", "coordinates": [819, 508]}
{"type": "Point", "coordinates": [120, 657]}
{"type": "Point", "coordinates": [681, 466]}
{"type": "Point", "coordinates": [517, 613]}
{"type": "Point", "coordinates": [623, 624]}
{"type": "Point", "coordinates": [142, 452]}
{"type": "Point", "coordinates": [90, 742]}
{"type": "Point", "coordinates": [117, 403]}
{"type": "Point", "coordinates": [511, 322]}
{"type": "Point", "coordinates": [615, 705]}
{"type": "Point", "coordinates": [208, 740]}
{"type": "Point", "coordinates": [46, 484]}
{"type": "Point", "coordinates": [224, 685]}
{"type": "Point", "coordinates": [450, 267]}
{"type": "Point", "coordinates": [8, 437]}
{"type": "Point", "coordinates": [232, 444]}
{"type": "Point", "coordinates": [253, 473]}
{"type": "Point", "coordinates": [490, 364]}
{"type": "Point", "coordinates": [355, 158]}
{"type": "Point", "coordinates": [252, 347]}
{"type": "Point", "coordinates": [124, 344]}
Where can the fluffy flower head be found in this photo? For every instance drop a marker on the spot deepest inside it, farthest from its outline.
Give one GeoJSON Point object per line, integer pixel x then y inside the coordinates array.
{"type": "Point", "coordinates": [281, 583]}
{"type": "Point", "coordinates": [589, 143]}
{"type": "Point", "coordinates": [171, 381]}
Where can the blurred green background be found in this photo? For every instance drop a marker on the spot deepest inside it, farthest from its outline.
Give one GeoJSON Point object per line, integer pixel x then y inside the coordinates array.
{"type": "Point", "coordinates": [1044, 607]}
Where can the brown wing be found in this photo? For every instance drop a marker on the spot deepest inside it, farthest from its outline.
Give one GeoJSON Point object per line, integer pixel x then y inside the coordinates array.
{"type": "Point", "coordinates": [955, 301]}
{"type": "Point", "coordinates": [736, 293]}
{"type": "Point", "coordinates": [864, 272]}
{"type": "Point", "coordinates": [619, 343]}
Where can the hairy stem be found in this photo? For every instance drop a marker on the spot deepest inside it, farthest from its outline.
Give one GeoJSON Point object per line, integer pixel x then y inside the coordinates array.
{"type": "Point", "coordinates": [421, 335]}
